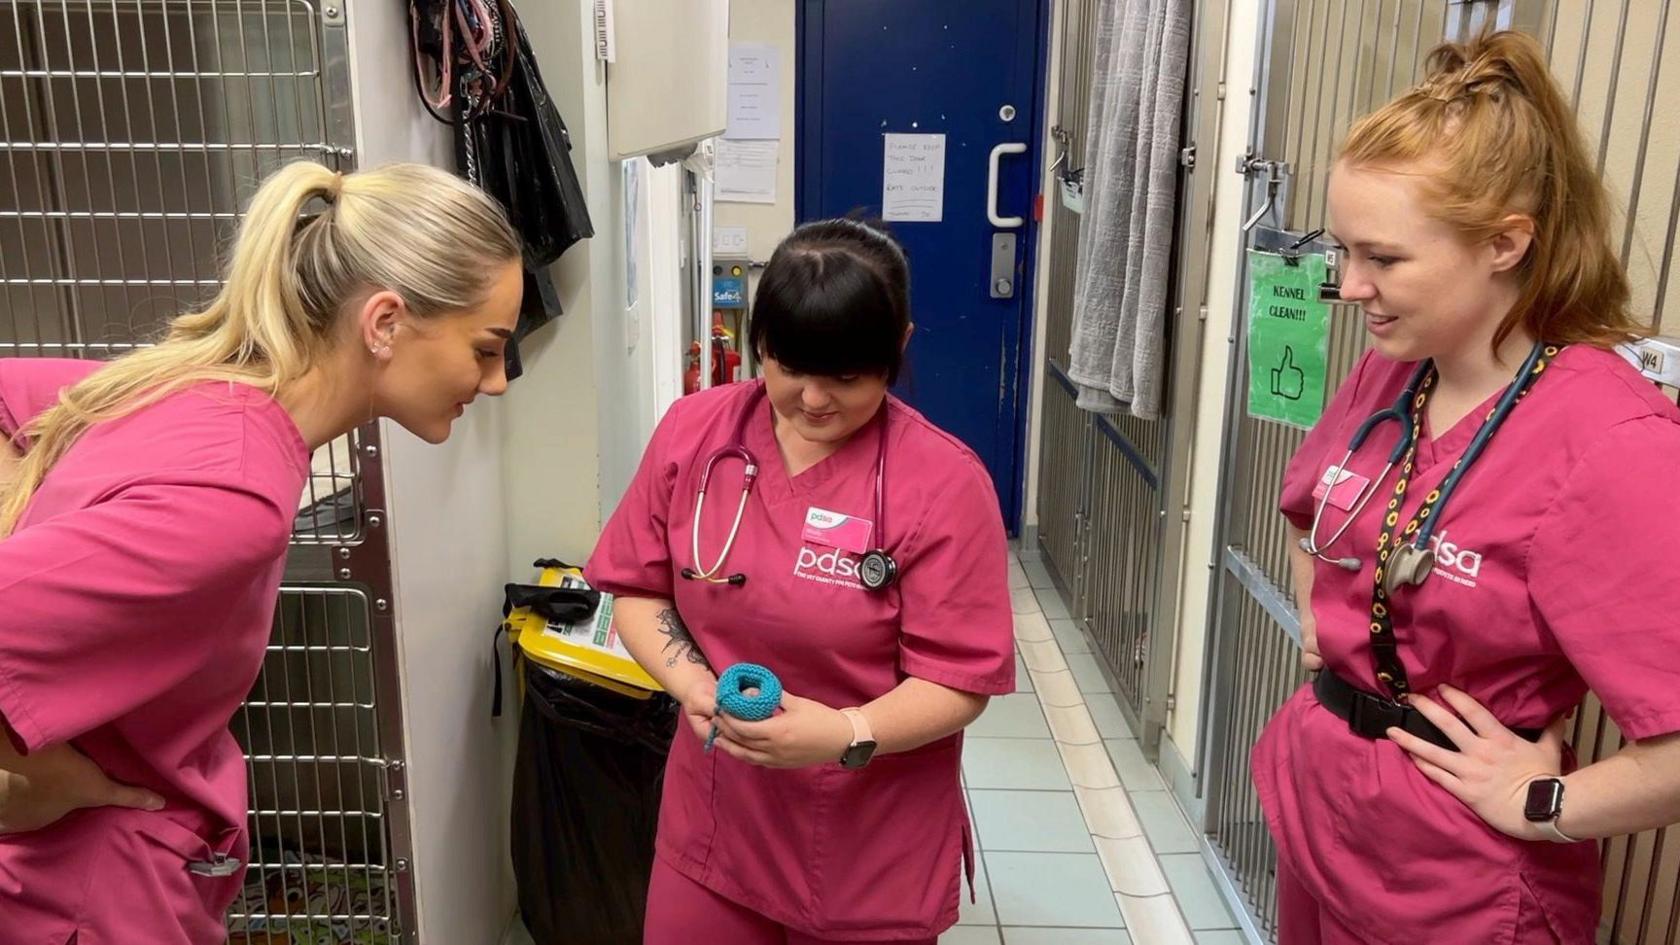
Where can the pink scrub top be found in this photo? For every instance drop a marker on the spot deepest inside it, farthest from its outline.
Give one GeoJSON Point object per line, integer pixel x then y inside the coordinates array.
{"type": "Point", "coordinates": [1555, 571]}
{"type": "Point", "coordinates": [136, 601]}
{"type": "Point", "coordinates": [874, 854]}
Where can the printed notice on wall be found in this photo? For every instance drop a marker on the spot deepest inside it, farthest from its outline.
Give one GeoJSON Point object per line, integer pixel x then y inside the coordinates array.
{"type": "Point", "coordinates": [746, 171]}
{"type": "Point", "coordinates": [913, 179]}
{"type": "Point", "coordinates": [755, 100]}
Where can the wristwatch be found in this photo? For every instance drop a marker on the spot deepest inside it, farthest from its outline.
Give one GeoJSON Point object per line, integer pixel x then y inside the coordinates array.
{"type": "Point", "coordinates": [1544, 806]}
{"type": "Point", "coordinates": [862, 748]}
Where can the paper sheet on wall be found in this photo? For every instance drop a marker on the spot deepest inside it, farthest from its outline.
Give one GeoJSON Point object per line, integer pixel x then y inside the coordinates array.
{"type": "Point", "coordinates": [755, 96]}
{"type": "Point", "coordinates": [746, 171]}
{"type": "Point", "coordinates": [913, 178]}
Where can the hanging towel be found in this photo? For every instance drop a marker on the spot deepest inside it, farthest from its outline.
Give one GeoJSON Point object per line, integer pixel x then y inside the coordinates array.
{"type": "Point", "coordinates": [1123, 278]}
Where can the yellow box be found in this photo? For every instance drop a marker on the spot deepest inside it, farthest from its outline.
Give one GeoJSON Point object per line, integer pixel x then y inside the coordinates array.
{"type": "Point", "coordinates": [589, 651]}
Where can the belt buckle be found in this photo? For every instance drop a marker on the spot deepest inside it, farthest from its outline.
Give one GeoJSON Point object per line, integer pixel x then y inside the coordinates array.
{"type": "Point", "coordinates": [217, 867]}
{"type": "Point", "coordinates": [1367, 710]}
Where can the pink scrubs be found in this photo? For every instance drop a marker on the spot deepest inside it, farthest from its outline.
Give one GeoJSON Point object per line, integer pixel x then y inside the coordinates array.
{"type": "Point", "coordinates": [869, 855]}
{"type": "Point", "coordinates": [136, 600]}
{"type": "Point", "coordinates": [1554, 571]}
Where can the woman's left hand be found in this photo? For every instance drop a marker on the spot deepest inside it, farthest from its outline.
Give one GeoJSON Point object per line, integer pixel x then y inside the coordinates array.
{"type": "Point", "coordinates": [1493, 766]}
{"type": "Point", "coordinates": [804, 733]}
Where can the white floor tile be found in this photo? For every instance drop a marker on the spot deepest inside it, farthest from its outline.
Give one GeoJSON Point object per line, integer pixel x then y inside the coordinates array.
{"type": "Point", "coordinates": [1014, 764]}
{"type": "Point", "coordinates": [1014, 716]}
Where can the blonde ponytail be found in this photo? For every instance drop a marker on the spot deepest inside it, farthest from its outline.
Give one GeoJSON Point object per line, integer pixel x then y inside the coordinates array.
{"type": "Point", "coordinates": [416, 230]}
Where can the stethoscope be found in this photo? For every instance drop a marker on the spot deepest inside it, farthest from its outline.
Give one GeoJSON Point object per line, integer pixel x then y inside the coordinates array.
{"type": "Point", "coordinates": [1412, 564]}
{"type": "Point", "coordinates": [877, 570]}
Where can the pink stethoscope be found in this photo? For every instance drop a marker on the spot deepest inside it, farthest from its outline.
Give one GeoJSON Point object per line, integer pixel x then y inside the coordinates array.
{"type": "Point", "coordinates": [877, 571]}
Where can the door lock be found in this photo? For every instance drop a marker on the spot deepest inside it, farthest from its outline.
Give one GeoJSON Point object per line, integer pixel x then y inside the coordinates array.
{"type": "Point", "coordinates": [1003, 265]}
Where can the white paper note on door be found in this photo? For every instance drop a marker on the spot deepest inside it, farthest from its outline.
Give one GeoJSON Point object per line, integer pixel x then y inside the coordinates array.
{"type": "Point", "coordinates": [913, 178]}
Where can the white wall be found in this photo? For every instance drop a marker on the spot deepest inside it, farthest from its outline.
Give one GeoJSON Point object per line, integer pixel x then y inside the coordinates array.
{"type": "Point", "coordinates": [770, 22]}
{"type": "Point", "coordinates": [579, 418]}
{"type": "Point", "coordinates": [447, 509]}
{"type": "Point", "coordinates": [1242, 26]}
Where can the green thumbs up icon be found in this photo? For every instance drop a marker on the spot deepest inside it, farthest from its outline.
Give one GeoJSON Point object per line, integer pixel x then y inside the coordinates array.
{"type": "Point", "coordinates": [1288, 381]}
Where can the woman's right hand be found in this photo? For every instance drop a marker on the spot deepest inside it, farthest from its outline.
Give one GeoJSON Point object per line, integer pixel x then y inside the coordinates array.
{"type": "Point", "coordinates": [1309, 643]}
{"type": "Point", "coordinates": [40, 789]}
{"type": "Point", "coordinates": [699, 704]}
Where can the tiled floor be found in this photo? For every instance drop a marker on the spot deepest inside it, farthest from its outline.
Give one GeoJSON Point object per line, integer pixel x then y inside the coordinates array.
{"type": "Point", "coordinates": [1079, 842]}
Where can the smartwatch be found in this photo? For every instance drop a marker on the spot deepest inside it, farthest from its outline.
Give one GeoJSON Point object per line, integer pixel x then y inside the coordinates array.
{"type": "Point", "coordinates": [862, 748]}
{"type": "Point", "coordinates": [1544, 806]}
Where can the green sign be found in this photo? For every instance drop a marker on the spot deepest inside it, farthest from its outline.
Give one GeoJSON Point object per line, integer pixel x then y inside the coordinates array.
{"type": "Point", "coordinates": [1288, 338]}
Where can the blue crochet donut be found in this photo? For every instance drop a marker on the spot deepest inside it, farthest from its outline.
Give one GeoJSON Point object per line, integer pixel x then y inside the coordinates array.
{"type": "Point", "coordinates": [734, 699]}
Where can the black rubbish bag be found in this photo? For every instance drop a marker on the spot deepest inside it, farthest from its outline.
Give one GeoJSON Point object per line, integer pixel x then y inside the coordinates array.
{"type": "Point", "coordinates": [586, 786]}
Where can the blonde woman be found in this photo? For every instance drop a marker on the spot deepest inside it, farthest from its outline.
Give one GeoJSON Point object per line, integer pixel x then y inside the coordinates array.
{"type": "Point", "coordinates": [145, 509]}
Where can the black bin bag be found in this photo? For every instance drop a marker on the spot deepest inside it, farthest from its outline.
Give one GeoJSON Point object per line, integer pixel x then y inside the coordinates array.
{"type": "Point", "coordinates": [586, 786]}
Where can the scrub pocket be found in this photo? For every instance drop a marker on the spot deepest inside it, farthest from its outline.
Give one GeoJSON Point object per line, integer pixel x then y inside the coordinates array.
{"type": "Point", "coordinates": [139, 886]}
{"type": "Point", "coordinates": [892, 851]}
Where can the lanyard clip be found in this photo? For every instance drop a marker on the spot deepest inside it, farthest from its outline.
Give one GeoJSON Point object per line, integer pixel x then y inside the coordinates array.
{"type": "Point", "coordinates": [219, 866]}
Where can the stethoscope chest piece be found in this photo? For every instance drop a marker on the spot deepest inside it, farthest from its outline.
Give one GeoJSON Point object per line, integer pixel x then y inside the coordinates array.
{"type": "Point", "coordinates": [877, 570]}
{"type": "Point", "coordinates": [1409, 564]}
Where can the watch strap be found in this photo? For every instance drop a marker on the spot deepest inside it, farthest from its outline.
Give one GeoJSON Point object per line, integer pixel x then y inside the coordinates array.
{"type": "Point", "coordinates": [1552, 832]}
{"type": "Point", "coordinates": [860, 725]}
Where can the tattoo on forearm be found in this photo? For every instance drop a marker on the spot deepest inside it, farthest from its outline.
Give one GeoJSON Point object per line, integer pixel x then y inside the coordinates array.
{"type": "Point", "coordinates": [679, 644]}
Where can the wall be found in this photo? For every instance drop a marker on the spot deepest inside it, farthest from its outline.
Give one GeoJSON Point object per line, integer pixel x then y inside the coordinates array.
{"type": "Point", "coordinates": [447, 509]}
{"type": "Point", "coordinates": [1242, 26]}
{"type": "Point", "coordinates": [770, 22]}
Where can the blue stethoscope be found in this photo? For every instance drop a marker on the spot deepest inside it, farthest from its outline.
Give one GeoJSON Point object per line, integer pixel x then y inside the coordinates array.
{"type": "Point", "coordinates": [877, 570]}
{"type": "Point", "coordinates": [1412, 566]}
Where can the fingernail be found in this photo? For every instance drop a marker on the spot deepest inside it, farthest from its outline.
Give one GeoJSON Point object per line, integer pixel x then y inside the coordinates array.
{"type": "Point", "coordinates": [154, 804]}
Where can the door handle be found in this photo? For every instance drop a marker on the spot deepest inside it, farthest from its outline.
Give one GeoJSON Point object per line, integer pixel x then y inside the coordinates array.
{"type": "Point", "coordinates": [1002, 223]}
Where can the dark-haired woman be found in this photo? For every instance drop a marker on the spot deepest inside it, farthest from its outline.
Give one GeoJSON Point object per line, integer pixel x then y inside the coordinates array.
{"type": "Point", "coordinates": [811, 523]}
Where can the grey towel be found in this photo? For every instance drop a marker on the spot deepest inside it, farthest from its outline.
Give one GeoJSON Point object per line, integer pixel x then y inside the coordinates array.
{"type": "Point", "coordinates": [1123, 278]}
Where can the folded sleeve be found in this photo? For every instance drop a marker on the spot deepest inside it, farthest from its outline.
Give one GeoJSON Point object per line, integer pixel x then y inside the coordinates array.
{"type": "Point", "coordinates": [633, 556]}
{"type": "Point", "coordinates": [1605, 579]}
{"type": "Point", "coordinates": [30, 385]}
{"type": "Point", "coordinates": [957, 625]}
{"type": "Point", "coordinates": [1301, 475]}
{"type": "Point", "coordinates": [104, 609]}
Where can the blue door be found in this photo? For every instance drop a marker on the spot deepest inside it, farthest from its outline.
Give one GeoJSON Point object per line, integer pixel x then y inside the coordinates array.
{"type": "Point", "coordinates": [971, 71]}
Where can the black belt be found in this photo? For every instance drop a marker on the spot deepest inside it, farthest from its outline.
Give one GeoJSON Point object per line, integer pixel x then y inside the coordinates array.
{"type": "Point", "coordinates": [1371, 716]}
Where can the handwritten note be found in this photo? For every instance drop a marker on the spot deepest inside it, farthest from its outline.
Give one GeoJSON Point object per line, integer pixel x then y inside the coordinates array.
{"type": "Point", "coordinates": [913, 178]}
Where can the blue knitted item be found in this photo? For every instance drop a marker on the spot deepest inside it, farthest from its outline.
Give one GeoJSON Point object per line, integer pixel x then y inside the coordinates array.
{"type": "Point", "coordinates": [733, 699]}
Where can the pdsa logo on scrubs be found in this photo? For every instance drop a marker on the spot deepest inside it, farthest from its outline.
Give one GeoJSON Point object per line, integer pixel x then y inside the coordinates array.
{"type": "Point", "coordinates": [827, 566]}
{"type": "Point", "coordinates": [1459, 565]}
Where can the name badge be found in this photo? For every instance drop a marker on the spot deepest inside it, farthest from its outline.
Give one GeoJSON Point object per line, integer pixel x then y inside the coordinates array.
{"type": "Point", "coordinates": [845, 532]}
{"type": "Point", "coordinates": [1345, 491]}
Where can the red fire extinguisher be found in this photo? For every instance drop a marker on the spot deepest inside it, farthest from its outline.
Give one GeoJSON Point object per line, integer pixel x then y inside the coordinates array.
{"type": "Point", "coordinates": [691, 376]}
{"type": "Point", "coordinates": [726, 361]}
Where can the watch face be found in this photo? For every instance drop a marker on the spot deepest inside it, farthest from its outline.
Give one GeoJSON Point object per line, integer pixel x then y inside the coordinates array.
{"type": "Point", "coordinates": [1545, 798]}
{"type": "Point", "coordinates": [857, 755]}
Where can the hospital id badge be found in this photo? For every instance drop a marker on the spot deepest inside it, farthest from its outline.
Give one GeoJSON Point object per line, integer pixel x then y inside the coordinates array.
{"type": "Point", "coordinates": [1349, 486]}
{"type": "Point", "coordinates": [845, 532]}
